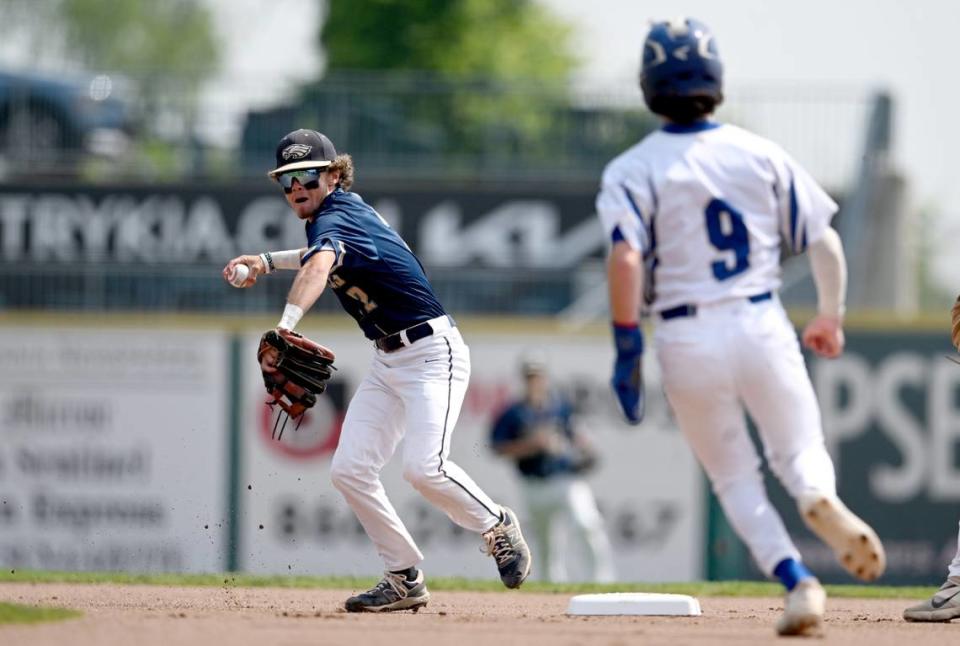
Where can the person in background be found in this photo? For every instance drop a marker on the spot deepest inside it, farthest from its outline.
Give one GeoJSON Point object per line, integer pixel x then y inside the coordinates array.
{"type": "Point", "coordinates": [944, 605]}
{"type": "Point", "coordinates": [539, 434]}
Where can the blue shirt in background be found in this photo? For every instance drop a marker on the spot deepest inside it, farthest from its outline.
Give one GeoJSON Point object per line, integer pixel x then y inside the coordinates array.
{"type": "Point", "coordinates": [521, 420]}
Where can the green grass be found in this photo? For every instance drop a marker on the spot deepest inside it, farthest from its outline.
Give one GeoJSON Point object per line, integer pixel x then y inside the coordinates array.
{"type": "Point", "coordinates": [13, 613]}
{"type": "Point", "coordinates": [699, 589]}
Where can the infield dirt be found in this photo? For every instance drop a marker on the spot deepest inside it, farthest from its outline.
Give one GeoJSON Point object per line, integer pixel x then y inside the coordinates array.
{"type": "Point", "coordinates": [164, 616]}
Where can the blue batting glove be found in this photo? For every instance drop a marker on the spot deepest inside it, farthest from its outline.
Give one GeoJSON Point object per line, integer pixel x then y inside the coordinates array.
{"type": "Point", "coordinates": [627, 379]}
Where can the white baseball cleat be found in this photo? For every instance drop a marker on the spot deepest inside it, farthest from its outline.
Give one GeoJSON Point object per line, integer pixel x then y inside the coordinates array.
{"type": "Point", "coordinates": [856, 545]}
{"type": "Point", "coordinates": [803, 609]}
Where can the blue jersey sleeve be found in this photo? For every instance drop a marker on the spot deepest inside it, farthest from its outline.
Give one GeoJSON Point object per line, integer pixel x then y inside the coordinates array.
{"type": "Point", "coordinates": [565, 418]}
{"type": "Point", "coordinates": [507, 427]}
{"type": "Point", "coordinates": [335, 233]}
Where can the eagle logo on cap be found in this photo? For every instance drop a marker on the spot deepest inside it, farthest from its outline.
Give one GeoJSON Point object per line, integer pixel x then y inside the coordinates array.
{"type": "Point", "coordinates": [296, 151]}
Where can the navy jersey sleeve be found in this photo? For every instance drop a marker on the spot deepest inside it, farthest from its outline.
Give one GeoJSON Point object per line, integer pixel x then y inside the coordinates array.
{"type": "Point", "coordinates": [565, 417]}
{"type": "Point", "coordinates": [334, 233]}
{"type": "Point", "coordinates": [318, 238]}
{"type": "Point", "coordinates": [507, 427]}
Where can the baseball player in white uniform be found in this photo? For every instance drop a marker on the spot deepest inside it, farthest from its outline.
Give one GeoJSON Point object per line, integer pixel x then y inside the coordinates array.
{"type": "Point", "coordinates": [696, 214]}
{"type": "Point", "coordinates": [944, 605]}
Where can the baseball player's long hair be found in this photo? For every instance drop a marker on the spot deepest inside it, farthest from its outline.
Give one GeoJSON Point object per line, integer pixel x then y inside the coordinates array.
{"type": "Point", "coordinates": [684, 110]}
{"type": "Point", "coordinates": [344, 164]}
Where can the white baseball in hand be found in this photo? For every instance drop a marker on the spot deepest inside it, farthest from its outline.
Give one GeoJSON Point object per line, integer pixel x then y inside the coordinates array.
{"type": "Point", "coordinates": [240, 274]}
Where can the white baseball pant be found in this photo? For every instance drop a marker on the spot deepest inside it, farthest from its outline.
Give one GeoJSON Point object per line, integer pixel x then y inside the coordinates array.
{"type": "Point", "coordinates": [738, 354]}
{"type": "Point", "coordinates": [954, 568]}
{"type": "Point", "coordinates": [418, 391]}
{"type": "Point", "coordinates": [569, 498]}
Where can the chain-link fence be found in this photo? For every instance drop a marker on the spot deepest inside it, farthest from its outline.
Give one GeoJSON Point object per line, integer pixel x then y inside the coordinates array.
{"type": "Point", "coordinates": [105, 126]}
{"type": "Point", "coordinates": [200, 288]}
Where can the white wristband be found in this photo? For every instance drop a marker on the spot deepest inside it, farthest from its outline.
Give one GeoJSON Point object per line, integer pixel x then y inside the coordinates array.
{"type": "Point", "coordinates": [267, 263]}
{"type": "Point", "coordinates": [291, 316]}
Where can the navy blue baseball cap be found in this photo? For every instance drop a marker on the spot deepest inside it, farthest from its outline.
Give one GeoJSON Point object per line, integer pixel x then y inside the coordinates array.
{"type": "Point", "coordinates": [303, 149]}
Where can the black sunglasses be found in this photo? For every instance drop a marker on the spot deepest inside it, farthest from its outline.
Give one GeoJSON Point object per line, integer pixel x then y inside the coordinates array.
{"type": "Point", "coordinates": [309, 178]}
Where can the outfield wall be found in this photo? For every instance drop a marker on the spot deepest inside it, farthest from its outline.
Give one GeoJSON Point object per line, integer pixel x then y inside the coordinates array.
{"type": "Point", "coordinates": [112, 449]}
{"type": "Point", "coordinates": [891, 409]}
{"type": "Point", "coordinates": [648, 484]}
{"type": "Point", "coordinates": [189, 478]}
{"type": "Point", "coordinates": [144, 446]}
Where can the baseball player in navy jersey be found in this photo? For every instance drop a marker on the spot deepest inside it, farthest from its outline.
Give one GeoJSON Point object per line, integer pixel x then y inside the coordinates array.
{"type": "Point", "coordinates": [552, 453]}
{"type": "Point", "coordinates": [696, 214]}
{"type": "Point", "coordinates": [417, 380]}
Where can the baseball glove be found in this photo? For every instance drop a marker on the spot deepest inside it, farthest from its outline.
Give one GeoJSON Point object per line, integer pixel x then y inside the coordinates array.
{"type": "Point", "coordinates": [956, 324]}
{"type": "Point", "coordinates": [295, 370]}
{"type": "Point", "coordinates": [583, 461]}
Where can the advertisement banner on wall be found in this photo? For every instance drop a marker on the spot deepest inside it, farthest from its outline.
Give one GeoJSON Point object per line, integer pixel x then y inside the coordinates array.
{"type": "Point", "coordinates": [891, 414]}
{"type": "Point", "coordinates": [113, 450]}
{"type": "Point", "coordinates": [647, 485]}
{"type": "Point", "coordinates": [545, 225]}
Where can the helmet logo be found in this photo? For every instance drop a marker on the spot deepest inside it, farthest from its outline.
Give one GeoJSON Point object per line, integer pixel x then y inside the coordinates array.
{"type": "Point", "coordinates": [659, 54]}
{"type": "Point", "coordinates": [677, 27]}
{"type": "Point", "coordinates": [296, 151]}
{"type": "Point", "coordinates": [682, 52]}
{"type": "Point", "coordinates": [703, 46]}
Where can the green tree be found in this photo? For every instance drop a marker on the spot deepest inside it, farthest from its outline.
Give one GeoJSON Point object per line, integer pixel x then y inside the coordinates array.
{"type": "Point", "coordinates": [478, 82]}
{"type": "Point", "coordinates": [136, 37]}
{"type": "Point", "coordinates": [501, 39]}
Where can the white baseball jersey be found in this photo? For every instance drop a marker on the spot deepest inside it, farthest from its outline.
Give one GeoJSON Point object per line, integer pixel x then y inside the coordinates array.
{"type": "Point", "coordinates": [709, 205]}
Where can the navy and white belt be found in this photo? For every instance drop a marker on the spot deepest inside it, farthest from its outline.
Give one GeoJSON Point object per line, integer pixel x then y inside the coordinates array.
{"type": "Point", "coordinates": [409, 336]}
{"type": "Point", "coordinates": [681, 311]}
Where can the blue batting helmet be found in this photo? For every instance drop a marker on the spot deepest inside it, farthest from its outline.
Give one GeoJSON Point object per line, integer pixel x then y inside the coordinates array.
{"type": "Point", "coordinates": [680, 59]}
